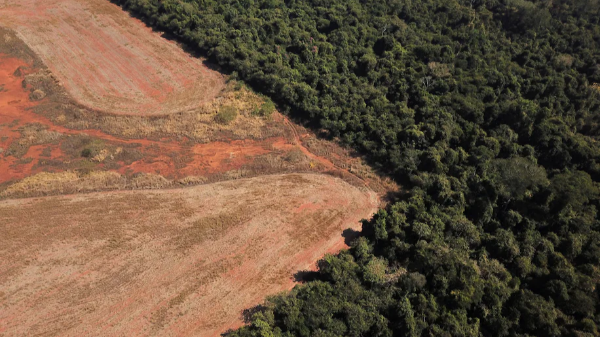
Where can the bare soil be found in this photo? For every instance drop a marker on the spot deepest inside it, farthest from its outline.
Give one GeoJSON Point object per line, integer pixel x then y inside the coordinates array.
{"type": "Point", "coordinates": [169, 262]}
{"type": "Point", "coordinates": [109, 61]}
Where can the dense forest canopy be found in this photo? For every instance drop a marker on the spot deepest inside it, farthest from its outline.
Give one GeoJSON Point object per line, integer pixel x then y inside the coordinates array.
{"type": "Point", "coordinates": [486, 110]}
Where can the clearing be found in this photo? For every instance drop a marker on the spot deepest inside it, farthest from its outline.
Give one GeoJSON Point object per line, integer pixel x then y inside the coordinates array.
{"type": "Point", "coordinates": [109, 61]}
{"type": "Point", "coordinates": [169, 262]}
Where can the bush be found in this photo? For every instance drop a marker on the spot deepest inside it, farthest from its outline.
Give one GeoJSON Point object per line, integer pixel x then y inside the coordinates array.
{"type": "Point", "coordinates": [226, 115]}
{"type": "Point", "coordinates": [266, 110]}
{"type": "Point", "coordinates": [87, 152]}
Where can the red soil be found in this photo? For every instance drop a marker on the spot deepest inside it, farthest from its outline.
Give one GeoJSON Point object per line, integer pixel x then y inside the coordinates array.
{"type": "Point", "coordinates": [168, 158]}
{"type": "Point", "coordinates": [118, 264]}
{"type": "Point", "coordinates": [200, 159]}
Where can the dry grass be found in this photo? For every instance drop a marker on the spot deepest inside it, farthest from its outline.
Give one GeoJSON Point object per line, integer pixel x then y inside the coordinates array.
{"type": "Point", "coordinates": [439, 69]}
{"type": "Point", "coordinates": [69, 182]}
{"type": "Point", "coordinates": [352, 168]}
{"type": "Point", "coordinates": [64, 183]}
{"type": "Point", "coordinates": [84, 181]}
{"type": "Point", "coordinates": [32, 134]}
{"type": "Point", "coordinates": [192, 180]}
{"type": "Point", "coordinates": [200, 125]}
{"type": "Point", "coordinates": [565, 60]}
{"type": "Point", "coordinates": [210, 228]}
{"type": "Point", "coordinates": [11, 45]}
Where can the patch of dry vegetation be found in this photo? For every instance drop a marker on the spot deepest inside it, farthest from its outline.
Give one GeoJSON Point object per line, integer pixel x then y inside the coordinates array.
{"type": "Point", "coordinates": [11, 45]}
{"type": "Point", "coordinates": [344, 159]}
{"type": "Point", "coordinates": [439, 69]}
{"type": "Point", "coordinates": [32, 134]}
{"type": "Point", "coordinates": [211, 227]}
{"type": "Point", "coordinates": [204, 124]}
{"type": "Point", "coordinates": [98, 151]}
{"type": "Point", "coordinates": [70, 182]}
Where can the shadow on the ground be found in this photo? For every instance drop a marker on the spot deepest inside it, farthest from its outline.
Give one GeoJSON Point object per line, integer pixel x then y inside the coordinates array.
{"type": "Point", "coordinates": [350, 235]}
{"type": "Point", "coordinates": [305, 276]}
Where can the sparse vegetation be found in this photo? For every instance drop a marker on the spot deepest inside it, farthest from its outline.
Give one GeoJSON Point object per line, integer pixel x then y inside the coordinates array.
{"type": "Point", "coordinates": [32, 134]}
{"type": "Point", "coordinates": [69, 182]}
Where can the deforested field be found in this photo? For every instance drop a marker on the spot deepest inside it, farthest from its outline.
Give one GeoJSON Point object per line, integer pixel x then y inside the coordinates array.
{"type": "Point", "coordinates": [170, 262]}
{"type": "Point", "coordinates": [109, 61]}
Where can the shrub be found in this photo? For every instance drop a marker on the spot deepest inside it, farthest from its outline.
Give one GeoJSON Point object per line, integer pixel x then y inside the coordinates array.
{"type": "Point", "coordinates": [265, 110]}
{"type": "Point", "coordinates": [87, 152]}
{"type": "Point", "coordinates": [226, 115]}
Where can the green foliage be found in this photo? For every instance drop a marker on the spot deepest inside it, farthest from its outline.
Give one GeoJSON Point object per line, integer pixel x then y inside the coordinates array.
{"type": "Point", "coordinates": [91, 148]}
{"type": "Point", "coordinates": [87, 152]}
{"type": "Point", "coordinates": [226, 115]}
{"type": "Point", "coordinates": [485, 110]}
{"type": "Point", "coordinates": [517, 177]}
{"type": "Point", "coordinates": [266, 109]}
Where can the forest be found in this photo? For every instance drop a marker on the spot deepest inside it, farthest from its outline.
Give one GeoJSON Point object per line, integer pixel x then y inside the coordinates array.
{"type": "Point", "coordinates": [487, 113]}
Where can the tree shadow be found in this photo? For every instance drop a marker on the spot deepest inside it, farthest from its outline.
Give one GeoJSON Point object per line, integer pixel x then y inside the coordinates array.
{"type": "Point", "coordinates": [350, 235]}
{"type": "Point", "coordinates": [305, 276]}
{"type": "Point", "coordinates": [227, 333]}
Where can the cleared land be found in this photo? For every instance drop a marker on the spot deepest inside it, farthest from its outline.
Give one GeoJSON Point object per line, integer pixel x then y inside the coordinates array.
{"type": "Point", "coordinates": [170, 262]}
{"type": "Point", "coordinates": [52, 135]}
{"type": "Point", "coordinates": [109, 61]}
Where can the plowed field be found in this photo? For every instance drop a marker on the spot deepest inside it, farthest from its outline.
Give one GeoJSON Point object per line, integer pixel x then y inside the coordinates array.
{"type": "Point", "coordinates": [109, 61]}
{"type": "Point", "coordinates": [170, 262]}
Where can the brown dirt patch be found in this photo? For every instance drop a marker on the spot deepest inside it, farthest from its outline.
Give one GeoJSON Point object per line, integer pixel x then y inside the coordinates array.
{"type": "Point", "coordinates": [109, 61]}
{"type": "Point", "coordinates": [169, 262]}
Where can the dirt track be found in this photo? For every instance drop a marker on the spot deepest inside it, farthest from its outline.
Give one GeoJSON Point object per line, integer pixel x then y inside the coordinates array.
{"type": "Point", "coordinates": [109, 61]}
{"type": "Point", "coordinates": [172, 262]}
